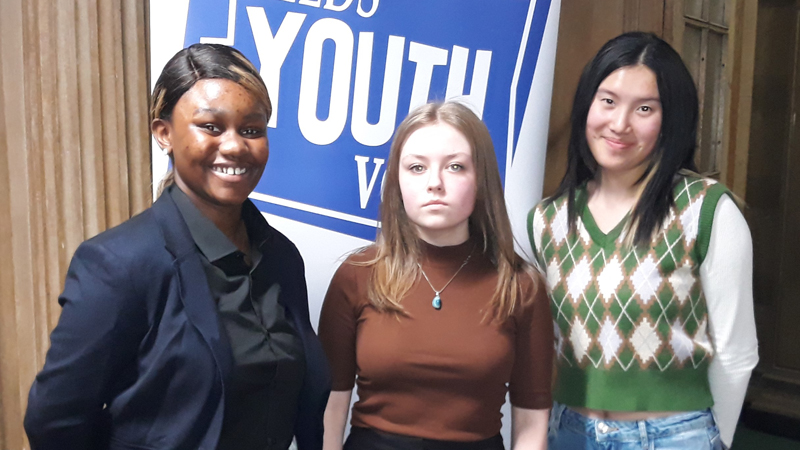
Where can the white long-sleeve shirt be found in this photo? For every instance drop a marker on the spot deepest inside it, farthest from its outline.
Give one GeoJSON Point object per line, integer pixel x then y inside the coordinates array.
{"type": "Point", "coordinates": [727, 278]}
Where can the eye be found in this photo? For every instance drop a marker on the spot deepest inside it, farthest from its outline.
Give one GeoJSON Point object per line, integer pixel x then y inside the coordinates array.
{"type": "Point", "coordinates": [210, 127]}
{"type": "Point", "coordinates": [416, 168]}
{"type": "Point", "coordinates": [607, 101]}
{"type": "Point", "coordinates": [253, 132]}
{"type": "Point", "coordinates": [645, 108]}
{"type": "Point", "coordinates": [455, 167]}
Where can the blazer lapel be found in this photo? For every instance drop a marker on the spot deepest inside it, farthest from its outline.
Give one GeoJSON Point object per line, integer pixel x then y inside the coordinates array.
{"type": "Point", "coordinates": [194, 292]}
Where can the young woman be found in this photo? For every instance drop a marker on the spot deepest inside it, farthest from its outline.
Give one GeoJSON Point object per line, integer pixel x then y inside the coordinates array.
{"type": "Point", "coordinates": [440, 318]}
{"type": "Point", "coordinates": [649, 266]}
{"type": "Point", "coordinates": [187, 326]}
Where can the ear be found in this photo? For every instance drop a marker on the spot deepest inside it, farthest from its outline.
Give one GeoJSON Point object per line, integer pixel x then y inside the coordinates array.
{"type": "Point", "coordinates": [162, 132]}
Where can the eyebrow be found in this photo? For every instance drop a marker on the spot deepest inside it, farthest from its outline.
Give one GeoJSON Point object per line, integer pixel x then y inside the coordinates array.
{"type": "Point", "coordinates": [449, 155]}
{"type": "Point", "coordinates": [220, 112]}
{"type": "Point", "coordinates": [646, 99]}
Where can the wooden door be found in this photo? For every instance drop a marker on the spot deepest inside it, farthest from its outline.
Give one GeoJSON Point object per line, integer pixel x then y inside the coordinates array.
{"type": "Point", "coordinates": [773, 209]}
{"type": "Point", "coordinates": [787, 305]}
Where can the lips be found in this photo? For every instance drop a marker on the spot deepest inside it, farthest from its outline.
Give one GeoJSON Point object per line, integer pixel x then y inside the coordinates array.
{"type": "Point", "coordinates": [435, 203]}
{"type": "Point", "coordinates": [617, 144]}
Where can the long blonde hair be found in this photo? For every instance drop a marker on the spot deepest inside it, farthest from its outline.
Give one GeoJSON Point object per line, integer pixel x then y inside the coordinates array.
{"type": "Point", "coordinates": [394, 267]}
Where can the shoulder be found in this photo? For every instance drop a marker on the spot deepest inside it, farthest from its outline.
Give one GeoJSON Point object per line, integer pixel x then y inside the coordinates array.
{"type": "Point", "coordinates": [548, 211]}
{"type": "Point", "coordinates": [137, 241]}
{"type": "Point", "coordinates": [362, 255]}
{"type": "Point", "coordinates": [351, 279]}
{"type": "Point", "coordinates": [126, 265]}
{"type": "Point", "coordinates": [696, 201]}
{"type": "Point", "coordinates": [355, 267]}
{"type": "Point", "coordinates": [690, 188]}
{"type": "Point", "coordinates": [548, 214]}
{"type": "Point", "coordinates": [550, 204]}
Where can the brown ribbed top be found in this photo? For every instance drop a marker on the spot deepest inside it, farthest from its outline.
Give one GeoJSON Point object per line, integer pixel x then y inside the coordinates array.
{"type": "Point", "coordinates": [437, 374]}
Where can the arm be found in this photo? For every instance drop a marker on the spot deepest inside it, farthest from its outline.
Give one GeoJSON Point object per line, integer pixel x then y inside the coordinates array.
{"type": "Point", "coordinates": [727, 278]}
{"type": "Point", "coordinates": [529, 428]}
{"type": "Point", "coordinates": [336, 419]}
{"type": "Point", "coordinates": [309, 423]}
{"type": "Point", "coordinates": [96, 338]}
{"type": "Point", "coordinates": [531, 378]}
{"type": "Point", "coordinates": [337, 332]}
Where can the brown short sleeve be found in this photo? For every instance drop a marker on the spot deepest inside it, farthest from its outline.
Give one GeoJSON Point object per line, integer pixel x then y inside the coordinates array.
{"type": "Point", "coordinates": [337, 327]}
{"type": "Point", "coordinates": [530, 384]}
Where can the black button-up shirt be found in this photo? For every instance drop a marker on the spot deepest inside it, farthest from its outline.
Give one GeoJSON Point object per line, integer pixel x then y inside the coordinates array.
{"type": "Point", "coordinates": [262, 394]}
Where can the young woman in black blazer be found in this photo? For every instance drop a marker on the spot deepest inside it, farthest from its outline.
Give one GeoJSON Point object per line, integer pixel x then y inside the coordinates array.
{"type": "Point", "coordinates": [187, 326]}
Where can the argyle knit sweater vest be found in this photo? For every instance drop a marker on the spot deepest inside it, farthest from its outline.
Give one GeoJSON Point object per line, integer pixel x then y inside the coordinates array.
{"type": "Point", "coordinates": [631, 324]}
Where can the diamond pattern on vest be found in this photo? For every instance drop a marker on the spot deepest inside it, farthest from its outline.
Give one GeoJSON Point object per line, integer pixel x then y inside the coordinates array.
{"type": "Point", "coordinates": [615, 306]}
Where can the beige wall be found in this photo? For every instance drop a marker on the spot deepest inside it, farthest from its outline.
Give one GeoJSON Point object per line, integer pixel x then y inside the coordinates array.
{"type": "Point", "coordinates": [74, 154]}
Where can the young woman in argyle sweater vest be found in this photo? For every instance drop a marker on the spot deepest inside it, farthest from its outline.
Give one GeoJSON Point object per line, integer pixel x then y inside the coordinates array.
{"type": "Point", "coordinates": [649, 266]}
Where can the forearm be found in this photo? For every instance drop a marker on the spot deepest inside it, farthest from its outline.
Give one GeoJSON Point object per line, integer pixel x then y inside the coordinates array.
{"type": "Point", "coordinates": [529, 428]}
{"type": "Point", "coordinates": [335, 419]}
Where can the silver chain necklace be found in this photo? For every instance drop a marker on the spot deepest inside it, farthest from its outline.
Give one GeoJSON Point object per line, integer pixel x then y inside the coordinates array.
{"type": "Point", "coordinates": [437, 300]}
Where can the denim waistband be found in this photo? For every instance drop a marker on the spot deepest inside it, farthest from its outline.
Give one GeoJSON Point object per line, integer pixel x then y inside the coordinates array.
{"type": "Point", "coordinates": [634, 430]}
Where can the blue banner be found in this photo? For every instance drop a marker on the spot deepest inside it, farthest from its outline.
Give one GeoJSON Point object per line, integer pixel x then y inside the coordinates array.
{"type": "Point", "coordinates": [343, 74]}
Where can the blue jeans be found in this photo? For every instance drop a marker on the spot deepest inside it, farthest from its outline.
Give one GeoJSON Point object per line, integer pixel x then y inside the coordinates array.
{"type": "Point", "coordinates": [684, 431]}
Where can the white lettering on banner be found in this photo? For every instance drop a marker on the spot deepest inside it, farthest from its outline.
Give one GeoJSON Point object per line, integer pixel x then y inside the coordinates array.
{"type": "Point", "coordinates": [272, 50]}
{"type": "Point", "coordinates": [379, 133]}
{"type": "Point", "coordinates": [364, 189]}
{"type": "Point", "coordinates": [480, 78]}
{"type": "Point", "coordinates": [329, 4]}
{"type": "Point", "coordinates": [324, 132]}
{"type": "Point", "coordinates": [426, 58]}
{"type": "Point", "coordinates": [369, 13]}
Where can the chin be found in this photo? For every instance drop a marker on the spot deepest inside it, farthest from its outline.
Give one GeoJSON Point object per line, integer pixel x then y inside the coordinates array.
{"type": "Point", "coordinates": [228, 199]}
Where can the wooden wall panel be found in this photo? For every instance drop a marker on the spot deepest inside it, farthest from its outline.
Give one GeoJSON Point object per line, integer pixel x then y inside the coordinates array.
{"type": "Point", "coordinates": [74, 160]}
{"type": "Point", "coordinates": [644, 15]}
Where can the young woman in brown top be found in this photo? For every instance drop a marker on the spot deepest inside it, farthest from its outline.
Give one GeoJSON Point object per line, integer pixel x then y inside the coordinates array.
{"type": "Point", "coordinates": [440, 318]}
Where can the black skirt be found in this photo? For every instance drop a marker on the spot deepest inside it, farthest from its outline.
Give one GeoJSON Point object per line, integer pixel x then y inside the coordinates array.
{"type": "Point", "coordinates": [369, 439]}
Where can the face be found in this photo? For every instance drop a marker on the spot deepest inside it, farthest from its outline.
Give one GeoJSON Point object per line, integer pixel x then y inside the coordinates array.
{"type": "Point", "coordinates": [217, 137]}
{"type": "Point", "coordinates": [437, 182]}
{"type": "Point", "coordinates": [624, 121]}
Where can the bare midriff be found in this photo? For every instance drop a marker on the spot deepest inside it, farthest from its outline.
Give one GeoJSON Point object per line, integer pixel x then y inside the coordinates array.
{"type": "Point", "coordinates": [622, 415]}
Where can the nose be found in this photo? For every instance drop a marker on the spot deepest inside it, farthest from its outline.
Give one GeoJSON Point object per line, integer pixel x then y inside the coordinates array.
{"type": "Point", "coordinates": [620, 122]}
{"type": "Point", "coordinates": [231, 143]}
{"type": "Point", "coordinates": [434, 181]}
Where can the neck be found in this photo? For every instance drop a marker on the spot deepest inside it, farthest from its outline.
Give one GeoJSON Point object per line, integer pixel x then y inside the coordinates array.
{"type": "Point", "coordinates": [228, 218]}
{"type": "Point", "coordinates": [445, 238]}
{"type": "Point", "coordinates": [622, 187]}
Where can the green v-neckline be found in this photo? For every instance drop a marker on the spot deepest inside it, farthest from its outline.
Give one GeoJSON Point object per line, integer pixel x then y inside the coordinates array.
{"type": "Point", "coordinates": [597, 235]}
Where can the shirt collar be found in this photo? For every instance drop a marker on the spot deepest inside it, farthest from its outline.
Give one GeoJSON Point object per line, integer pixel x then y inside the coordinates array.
{"type": "Point", "coordinates": [209, 239]}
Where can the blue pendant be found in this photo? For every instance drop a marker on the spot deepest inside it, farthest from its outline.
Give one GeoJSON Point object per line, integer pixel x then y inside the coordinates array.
{"type": "Point", "coordinates": [437, 302]}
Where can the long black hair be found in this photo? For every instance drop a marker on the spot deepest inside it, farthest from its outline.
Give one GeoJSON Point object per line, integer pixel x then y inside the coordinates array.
{"type": "Point", "coordinates": [674, 150]}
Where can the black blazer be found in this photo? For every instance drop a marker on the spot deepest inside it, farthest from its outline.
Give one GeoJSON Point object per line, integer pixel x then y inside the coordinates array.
{"type": "Point", "coordinates": [139, 359]}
